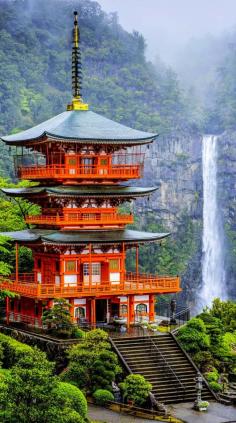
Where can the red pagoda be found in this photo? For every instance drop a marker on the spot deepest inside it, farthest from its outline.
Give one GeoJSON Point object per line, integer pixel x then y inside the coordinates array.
{"type": "Point", "coordinates": [82, 163]}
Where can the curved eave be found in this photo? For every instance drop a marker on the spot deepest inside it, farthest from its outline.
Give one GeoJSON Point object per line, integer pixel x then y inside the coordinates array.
{"type": "Point", "coordinates": [102, 191]}
{"type": "Point", "coordinates": [46, 136]}
{"type": "Point", "coordinates": [73, 238]}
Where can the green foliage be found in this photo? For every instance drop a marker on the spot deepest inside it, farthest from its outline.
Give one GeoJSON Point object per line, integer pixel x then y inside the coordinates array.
{"type": "Point", "coordinates": [71, 397]}
{"type": "Point", "coordinates": [172, 256]}
{"type": "Point", "coordinates": [102, 396]}
{"type": "Point", "coordinates": [58, 318]}
{"type": "Point", "coordinates": [212, 376]}
{"type": "Point", "coordinates": [204, 360]}
{"type": "Point", "coordinates": [216, 387]}
{"type": "Point", "coordinates": [29, 391]}
{"type": "Point", "coordinates": [193, 336]}
{"type": "Point", "coordinates": [136, 389]}
{"type": "Point", "coordinates": [91, 363]}
{"type": "Point", "coordinates": [13, 351]}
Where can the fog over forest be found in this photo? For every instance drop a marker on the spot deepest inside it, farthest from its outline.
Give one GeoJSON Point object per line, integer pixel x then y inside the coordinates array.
{"type": "Point", "coordinates": [188, 35]}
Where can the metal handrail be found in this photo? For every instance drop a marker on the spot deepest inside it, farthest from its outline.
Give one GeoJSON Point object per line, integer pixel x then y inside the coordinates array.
{"type": "Point", "coordinates": [165, 362]}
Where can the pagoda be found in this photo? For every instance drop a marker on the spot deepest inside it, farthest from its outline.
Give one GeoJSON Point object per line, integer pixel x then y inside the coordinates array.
{"type": "Point", "coordinates": [82, 163]}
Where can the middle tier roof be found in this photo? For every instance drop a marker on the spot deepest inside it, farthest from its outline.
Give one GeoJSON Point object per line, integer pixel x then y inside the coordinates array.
{"type": "Point", "coordinates": [83, 237]}
{"type": "Point", "coordinates": [92, 191]}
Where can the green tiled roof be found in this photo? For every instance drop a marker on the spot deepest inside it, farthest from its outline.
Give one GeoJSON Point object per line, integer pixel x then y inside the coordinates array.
{"type": "Point", "coordinates": [81, 191]}
{"type": "Point", "coordinates": [83, 237]}
{"type": "Point", "coordinates": [80, 126]}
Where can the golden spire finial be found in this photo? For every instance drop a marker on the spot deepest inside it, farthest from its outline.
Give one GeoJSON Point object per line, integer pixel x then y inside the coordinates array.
{"type": "Point", "coordinates": [77, 102]}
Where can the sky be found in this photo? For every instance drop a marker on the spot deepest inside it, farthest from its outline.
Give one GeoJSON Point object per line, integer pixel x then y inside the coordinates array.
{"type": "Point", "coordinates": [167, 25]}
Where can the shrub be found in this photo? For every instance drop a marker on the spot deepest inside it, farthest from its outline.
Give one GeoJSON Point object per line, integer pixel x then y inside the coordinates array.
{"type": "Point", "coordinates": [193, 336]}
{"type": "Point", "coordinates": [204, 360]}
{"type": "Point", "coordinates": [216, 387]}
{"type": "Point", "coordinates": [72, 397]}
{"type": "Point", "coordinates": [136, 388]}
{"type": "Point", "coordinates": [13, 350]}
{"type": "Point", "coordinates": [102, 396]}
{"type": "Point", "coordinates": [212, 376]}
{"type": "Point", "coordinates": [77, 333]}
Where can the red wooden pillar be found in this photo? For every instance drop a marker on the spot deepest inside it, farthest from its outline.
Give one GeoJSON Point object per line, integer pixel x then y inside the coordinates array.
{"type": "Point", "coordinates": [17, 262]}
{"type": "Point", "coordinates": [7, 310]}
{"type": "Point", "coordinates": [50, 304]}
{"type": "Point", "coordinates": [130, 310]}
{"type": "Point", "coordinates": [90, 267]}
{"type": "Point", "coordinates": [72, 316]}
{"type": "Point", "coordinates": [151, 308]}
{"type": "Point", "coordinates": [93, 312]}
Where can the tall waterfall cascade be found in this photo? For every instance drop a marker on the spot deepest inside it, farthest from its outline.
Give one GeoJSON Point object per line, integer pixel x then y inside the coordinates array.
{"type": "Point", "coordinates": [213, 272]}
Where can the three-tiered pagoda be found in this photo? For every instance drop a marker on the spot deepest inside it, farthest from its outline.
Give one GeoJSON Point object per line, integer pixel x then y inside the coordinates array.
{"type": "Point", "coordinates": [82, 163]}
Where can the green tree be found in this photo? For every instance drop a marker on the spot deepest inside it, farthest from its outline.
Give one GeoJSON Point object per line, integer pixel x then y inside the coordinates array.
{"type": "Point", "coordinates": [136, 389]}
{"type": "Point", "coordinates": [193, 336]}
{"type": "Point", "coordinates": [58, 317]}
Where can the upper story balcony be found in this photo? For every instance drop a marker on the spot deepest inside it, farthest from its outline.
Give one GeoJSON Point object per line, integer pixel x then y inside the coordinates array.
{"type": "Point", "coordinates": [131, 283]}
{"type": "Point", "coordinates": [87, 167]}
{"type": "Point", "coordinates": [83, 218]}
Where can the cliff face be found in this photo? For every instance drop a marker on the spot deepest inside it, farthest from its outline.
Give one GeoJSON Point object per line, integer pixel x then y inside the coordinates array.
{"type": "Point", "coordinates": [227, 203]}
{"type": "Point", "coordinates": [174, 164]}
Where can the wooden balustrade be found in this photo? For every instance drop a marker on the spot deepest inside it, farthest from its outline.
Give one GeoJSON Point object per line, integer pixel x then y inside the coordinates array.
{"type": "Point", "coordinates": [117, 172]}
{"type": "Point", "coordinates": [131, 284]}
{"type": "Point", "coordinates": [81, 219]}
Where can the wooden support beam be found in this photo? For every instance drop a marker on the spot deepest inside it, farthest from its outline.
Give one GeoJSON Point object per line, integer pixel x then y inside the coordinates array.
{"type": "Point", "coordinates": [130, 310]}
{"type": "Point", "coordinates": [93, 312]}
{"type": "Point", "coordinates": [17, 262]}
{"type": "Point", "coordinates": [72, 315]}
{"type": "Point", "coordinates": [90, 266]}
{"type": "Point", "coordinates": [151, 307]}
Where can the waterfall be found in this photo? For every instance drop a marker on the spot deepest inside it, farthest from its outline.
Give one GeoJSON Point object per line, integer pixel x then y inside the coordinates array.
{"type": "Point", "coordinates": [213, 273]}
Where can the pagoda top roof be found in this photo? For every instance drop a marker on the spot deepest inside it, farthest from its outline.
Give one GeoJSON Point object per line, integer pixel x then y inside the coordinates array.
{"type": "Point", "coordinates": [81, 191]}
{"type": "Point", "coordinates": [81, 126]}
{"type": "Point", "coordinates": [83, 237]}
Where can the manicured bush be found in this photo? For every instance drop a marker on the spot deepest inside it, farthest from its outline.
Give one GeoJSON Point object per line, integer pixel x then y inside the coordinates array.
{"type": "Point", "coordinates": [13, 350]}
{"type": "Point", "coordinates": [136, 389]}
{"type": "Point", "coordinates": [102, 396]}
{"type": "Point", "coordinates": [216, 387]}
{"type": "Point", "coordinates": [77, 333]}
{"type": "Point", "coordinates": [212, 376]}
{"type": "Point", "coordinates": [72, 397]}
{"type": "Point", "coordinates": [193, 336]}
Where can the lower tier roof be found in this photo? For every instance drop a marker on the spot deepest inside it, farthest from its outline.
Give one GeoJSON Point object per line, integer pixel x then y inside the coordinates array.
{"type": "Point", "coordinates": [81, 191]}
{"type": "Point", "coordinates": [83, 237]}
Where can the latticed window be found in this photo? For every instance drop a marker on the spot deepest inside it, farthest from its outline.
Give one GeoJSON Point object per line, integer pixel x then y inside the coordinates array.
{"type": "Point", "coordinates": [71, 266]}
{"type": "Point", "coordinates": [114, 264]}
{"type": "Point", "coordinates": [96, 269]}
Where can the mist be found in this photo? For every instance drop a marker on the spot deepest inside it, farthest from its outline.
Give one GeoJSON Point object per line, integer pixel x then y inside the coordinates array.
{"type": "Point", "coordinates": [168, 25]}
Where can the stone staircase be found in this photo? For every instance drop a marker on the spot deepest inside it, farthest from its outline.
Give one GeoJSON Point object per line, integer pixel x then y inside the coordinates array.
{"type": "Point", "coordinates": [164, 364]}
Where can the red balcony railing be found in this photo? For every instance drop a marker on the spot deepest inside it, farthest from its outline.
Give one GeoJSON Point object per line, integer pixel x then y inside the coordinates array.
{"type": "Point", "coordinates": [131, 284]}
{"type": "Point", "coordinates": [114, 172]}
{"type": "Point", "coordinates": [83, 219]}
